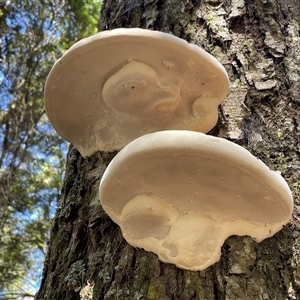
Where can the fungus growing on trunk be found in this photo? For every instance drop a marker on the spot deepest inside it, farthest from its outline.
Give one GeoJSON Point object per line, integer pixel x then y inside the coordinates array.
{"type": "Point", "coordinates": [117, 85]}
{"type": "Point", "coordinates": [180, 194]}
{"type": "Point", "coordinates": [177, 193]}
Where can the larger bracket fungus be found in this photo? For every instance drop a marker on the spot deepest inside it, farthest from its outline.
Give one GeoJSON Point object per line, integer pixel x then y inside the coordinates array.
{"type": "Point", "coordinates": [180, 194]}
{"type": "Point", "coordinates": [115, 86]}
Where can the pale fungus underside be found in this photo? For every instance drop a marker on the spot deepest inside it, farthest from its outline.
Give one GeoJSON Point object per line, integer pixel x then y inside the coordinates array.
{"type": "Point", "coordinates": [117, 85]}
{"type": "Point", "coordinates": [180, 194]}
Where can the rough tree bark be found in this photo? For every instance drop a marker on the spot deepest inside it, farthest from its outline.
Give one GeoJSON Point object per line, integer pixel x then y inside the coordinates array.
{"type": "Point", "coordinates": [258, 43]}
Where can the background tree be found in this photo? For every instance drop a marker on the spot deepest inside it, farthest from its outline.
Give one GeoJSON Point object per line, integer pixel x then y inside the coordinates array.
{"type": "Point", "coordinates": [257, 41]}
{"type": "Point", "coordinates": [33, 34]}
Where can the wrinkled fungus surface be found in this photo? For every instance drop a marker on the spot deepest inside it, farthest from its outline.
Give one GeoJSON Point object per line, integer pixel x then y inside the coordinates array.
{"type": "Point", "coordinates": [180, 194]}
{"type": "Point", "coordinates": [137, 90]}
{"type": "Point", "coordinates": [118, 85]}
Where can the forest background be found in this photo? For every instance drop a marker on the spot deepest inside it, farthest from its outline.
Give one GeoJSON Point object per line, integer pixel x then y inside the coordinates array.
{"type": "Point", "coordinates": [33, 35]}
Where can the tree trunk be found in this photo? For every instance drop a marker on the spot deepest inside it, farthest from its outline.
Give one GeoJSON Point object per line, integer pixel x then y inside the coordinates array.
{"type": "Point", "coordinates": [258, 42]}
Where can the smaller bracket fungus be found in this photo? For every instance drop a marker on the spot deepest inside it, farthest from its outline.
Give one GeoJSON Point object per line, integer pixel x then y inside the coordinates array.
{"type": "Point", "coordinates": [181, 193]}
{"type": "Point", "coordinates": [118, 85]}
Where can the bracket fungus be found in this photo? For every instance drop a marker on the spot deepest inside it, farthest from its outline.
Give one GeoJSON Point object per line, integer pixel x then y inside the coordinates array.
{"type": "Point", "coordinates": [118, 85]}
{"type": "Point", "coordinates": [181, 193]}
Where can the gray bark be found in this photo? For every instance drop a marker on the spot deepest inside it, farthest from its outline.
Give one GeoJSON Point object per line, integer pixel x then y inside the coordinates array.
{"type": "Point", "coordinates": [258, 43]}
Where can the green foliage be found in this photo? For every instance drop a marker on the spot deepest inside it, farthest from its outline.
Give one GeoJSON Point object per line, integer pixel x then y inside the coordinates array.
{"type": "Point", "coordinates": [86, 16]}
{"type": "Point", "coordinates": [33, 34]}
